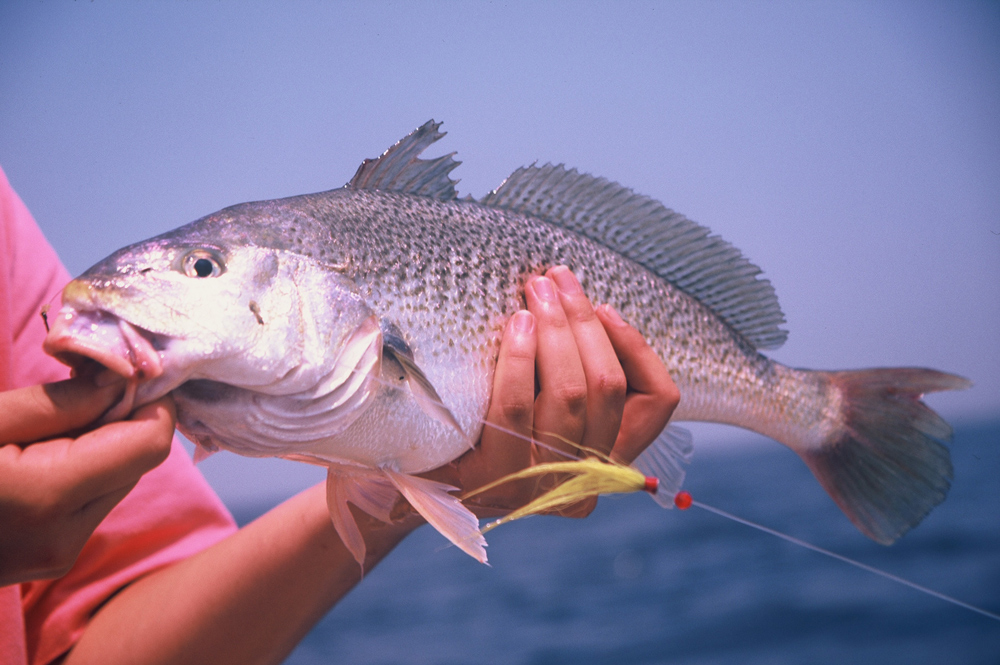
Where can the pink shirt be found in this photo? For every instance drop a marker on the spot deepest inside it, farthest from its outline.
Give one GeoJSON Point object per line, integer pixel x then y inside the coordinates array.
{"type": "Point", "coordinates": [171, 514]}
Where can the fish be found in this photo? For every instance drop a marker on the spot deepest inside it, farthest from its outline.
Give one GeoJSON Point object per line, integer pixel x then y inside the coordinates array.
{"type": "Point", "coordinates": [358, 329]}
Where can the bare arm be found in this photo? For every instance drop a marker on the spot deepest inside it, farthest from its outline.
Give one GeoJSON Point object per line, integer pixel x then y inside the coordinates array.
{"type": "Point", "coordinates": [248, 599]}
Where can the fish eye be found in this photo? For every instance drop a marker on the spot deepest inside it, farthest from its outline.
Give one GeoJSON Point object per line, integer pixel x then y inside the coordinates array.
{"type": "Point", "coordinates": [202, 263]}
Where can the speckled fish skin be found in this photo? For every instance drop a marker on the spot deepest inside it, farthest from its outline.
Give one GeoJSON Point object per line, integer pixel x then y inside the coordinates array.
{"type": "Point", "coordinates": [448, 273]}
{"type": "Point", "coordinates": [451, 274]}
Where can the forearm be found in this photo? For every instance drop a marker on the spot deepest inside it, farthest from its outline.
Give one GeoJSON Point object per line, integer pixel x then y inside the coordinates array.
{"type": "Point", "coordinates": [248, 599]}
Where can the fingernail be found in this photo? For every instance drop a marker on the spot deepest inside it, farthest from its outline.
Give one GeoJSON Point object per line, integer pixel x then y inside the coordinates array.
{"type": "Point", "coordinates": [612, 314]}
{"type": "Point", "coordinates": [543, 288]}
{"type": "Point", "coordinates": [523, 322]}
{"type": "Point", "coordinates": [565, 280]}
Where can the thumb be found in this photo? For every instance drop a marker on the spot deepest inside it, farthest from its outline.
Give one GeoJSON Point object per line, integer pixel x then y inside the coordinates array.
{"type": "Point", "coordinates": [116, 455]}
{"type": "Point", "coordinates": [42, 412]}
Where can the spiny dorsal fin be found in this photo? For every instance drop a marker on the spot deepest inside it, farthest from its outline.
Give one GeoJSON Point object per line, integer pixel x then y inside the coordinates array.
{"type": "Point", "coordinates": [644, 230]}
{"type": "Point", "coordinates": [399, 169]}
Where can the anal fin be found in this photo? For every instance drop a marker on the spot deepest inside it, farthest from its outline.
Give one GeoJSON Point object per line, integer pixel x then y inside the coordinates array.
{"type": "Point", "coordinates": [663, 459]}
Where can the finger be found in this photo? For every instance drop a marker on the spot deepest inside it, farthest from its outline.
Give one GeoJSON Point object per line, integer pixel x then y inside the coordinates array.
{"type": "Point", "coordinates": [512, 402]}
{"type": "Point", "coordinates": [561, 404]}
{"type": "Point", "coordinates": [116, 455]}
{"type": "Point", "coordinates": [652, 396]}
{"type": "Point", "coordinates": [643, 367]}
{"type": "Point", "coordinates": [505, 446]}
{"type": "Point", "coordinates": [606, 385]}
{"type": "Point", "coordinates": [42, 412]}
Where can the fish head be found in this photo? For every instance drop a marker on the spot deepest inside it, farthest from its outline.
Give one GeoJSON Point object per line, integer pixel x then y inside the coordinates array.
{"type": "Point", "coordinates": [220, 313]}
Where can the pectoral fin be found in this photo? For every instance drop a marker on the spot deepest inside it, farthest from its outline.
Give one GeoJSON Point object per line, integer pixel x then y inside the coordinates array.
{"type": "Point", "coordinates": [443, 511]}
{"type": "Point", "coordinates": [395, 348]}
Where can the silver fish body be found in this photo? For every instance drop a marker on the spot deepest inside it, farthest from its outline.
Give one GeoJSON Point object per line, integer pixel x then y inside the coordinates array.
{"type": "Point", "coordinates": [361, 327]}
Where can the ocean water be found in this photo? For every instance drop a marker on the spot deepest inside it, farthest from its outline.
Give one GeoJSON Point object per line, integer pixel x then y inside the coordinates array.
{"type": "Point", "coordinates": [634, 583]}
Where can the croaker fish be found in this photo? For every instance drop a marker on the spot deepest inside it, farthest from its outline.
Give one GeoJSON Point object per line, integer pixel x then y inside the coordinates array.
{"type": "Point", "coordinates": [358, 329]}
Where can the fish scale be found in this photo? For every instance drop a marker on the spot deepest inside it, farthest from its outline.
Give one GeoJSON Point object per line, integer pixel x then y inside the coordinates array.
{"type": "Point", "coordinates": [377, 308]}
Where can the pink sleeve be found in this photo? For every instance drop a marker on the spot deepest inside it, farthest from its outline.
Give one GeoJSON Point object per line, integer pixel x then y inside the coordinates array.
{"type": "Point", "coordinates": [32, 276]}
{"type": "Point", "coordinates": [170, 515]}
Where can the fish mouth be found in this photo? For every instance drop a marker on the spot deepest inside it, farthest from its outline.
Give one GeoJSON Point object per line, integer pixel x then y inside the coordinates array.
{"type": "Point", "coordinates": [89, 340]}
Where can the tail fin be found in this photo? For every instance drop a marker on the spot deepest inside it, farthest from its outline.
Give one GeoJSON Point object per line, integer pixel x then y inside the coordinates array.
{"type": "Point", "coordinates": [887, 467]}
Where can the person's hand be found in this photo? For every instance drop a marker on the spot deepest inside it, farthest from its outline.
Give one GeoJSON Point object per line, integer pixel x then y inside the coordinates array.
{"type": "Point", "coordinates": [599, 384]}
{"type": "Point", "coordinates": [56, 483]}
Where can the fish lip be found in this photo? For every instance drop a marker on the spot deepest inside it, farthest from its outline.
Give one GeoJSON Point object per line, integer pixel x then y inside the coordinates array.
{"type": "Point", "coordinates": [122, 347]}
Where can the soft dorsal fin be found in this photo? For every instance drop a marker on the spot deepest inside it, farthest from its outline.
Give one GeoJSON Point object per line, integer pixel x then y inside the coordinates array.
{"type": "Point", "coordinates": [399, 169]}
{"type": "Point", "coordinates": [642, 229]}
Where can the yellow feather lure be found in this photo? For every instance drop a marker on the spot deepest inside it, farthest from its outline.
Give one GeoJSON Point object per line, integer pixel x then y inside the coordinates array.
{"type": "Point", "coordinates": [591, 477]}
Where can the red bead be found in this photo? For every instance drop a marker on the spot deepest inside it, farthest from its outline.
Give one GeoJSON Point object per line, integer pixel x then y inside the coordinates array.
{"type": "Point", "coordinates": [651, 484]}
{"type": "Point", "coordinates": [682, 500]}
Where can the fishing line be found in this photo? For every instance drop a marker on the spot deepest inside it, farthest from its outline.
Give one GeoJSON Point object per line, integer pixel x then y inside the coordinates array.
{"type": "Point", "coordinates": [841, 557]}
{"type": "Point", "coordinates": [683, 500]}
{"type": "Point", "coordinates": [499, 428]}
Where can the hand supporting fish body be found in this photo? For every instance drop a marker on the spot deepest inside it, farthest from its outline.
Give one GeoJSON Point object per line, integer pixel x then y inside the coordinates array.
{"type": "Point", "coordinates": [358, 328]}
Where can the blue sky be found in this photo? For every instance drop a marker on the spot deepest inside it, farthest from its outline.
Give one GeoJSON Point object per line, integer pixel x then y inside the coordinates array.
{"type": "Point", "coordinates": [852, 150]}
